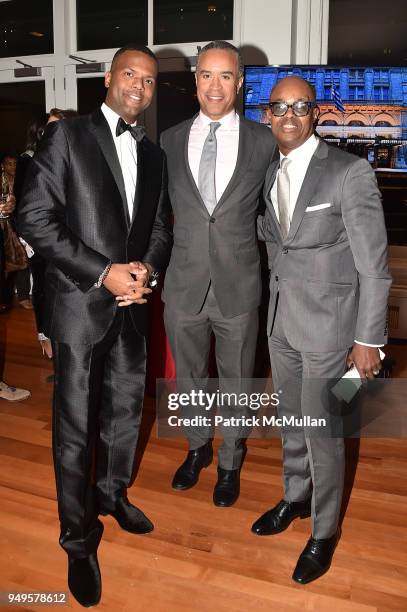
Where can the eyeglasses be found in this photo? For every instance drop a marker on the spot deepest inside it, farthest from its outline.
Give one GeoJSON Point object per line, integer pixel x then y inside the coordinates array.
{"type": "Point", "coordinates": [301, 108]}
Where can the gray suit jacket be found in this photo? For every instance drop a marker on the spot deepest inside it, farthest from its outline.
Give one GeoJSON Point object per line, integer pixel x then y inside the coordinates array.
{"type": "Point", "coordinates": [221, 248]}
{"type": "Point", "coordinates": [331, 272]}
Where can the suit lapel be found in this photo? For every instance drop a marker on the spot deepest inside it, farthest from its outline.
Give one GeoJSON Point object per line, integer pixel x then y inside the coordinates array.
{"type": "Point", "coordinates": [141, 175]}
{"type": "Point", "coordinates": [268, 184]}
{"type": "Point", "coordinates": [309, 184]}
{"type": "Point", "coordinates": [145, 174]}
{"type": "Point", "coordinates": [104, 138]}
{"type": "Point", "coordinates": [183, 134]}
{"type": "Point", "coordinates": [244, 155]}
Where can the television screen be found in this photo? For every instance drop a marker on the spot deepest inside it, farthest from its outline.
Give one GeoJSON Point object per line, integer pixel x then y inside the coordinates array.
{"type": "Point", "coordinates": [363, 110]}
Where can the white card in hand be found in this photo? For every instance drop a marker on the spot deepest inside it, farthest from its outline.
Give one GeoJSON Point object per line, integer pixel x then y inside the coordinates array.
{"type": "Point", "coordinates": [347, 387]}
{"type": "Point", "coordinates": [353, 373]}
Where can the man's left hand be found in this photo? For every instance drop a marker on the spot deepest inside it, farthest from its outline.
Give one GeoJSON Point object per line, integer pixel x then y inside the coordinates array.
{"type": "Point", "coordinates": [366, 360]}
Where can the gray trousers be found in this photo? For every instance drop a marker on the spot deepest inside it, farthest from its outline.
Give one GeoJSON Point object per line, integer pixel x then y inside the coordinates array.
{"type": "Point", "coordinates": [313, 465]}
{"type": "Point", "coordinates": [190, 341]}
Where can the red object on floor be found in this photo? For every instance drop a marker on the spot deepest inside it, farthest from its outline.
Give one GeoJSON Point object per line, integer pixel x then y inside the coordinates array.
{"type": "Point", "coordinates": [160, 363]}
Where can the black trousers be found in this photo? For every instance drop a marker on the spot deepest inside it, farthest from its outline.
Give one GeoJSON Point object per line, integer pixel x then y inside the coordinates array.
{"type": "Point", "coordinates": [98, 399]}
{"type": "Point", "coordinates": [19, 280]}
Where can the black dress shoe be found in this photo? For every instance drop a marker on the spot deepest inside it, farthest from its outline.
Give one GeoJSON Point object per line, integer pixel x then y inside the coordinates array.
{"type": "Point", "coordinates": [187, 474]}
{"type": "Point", "coordinates": [227, 489]}
{"type": "Point", "coordinates": [315, 559]}
{"type": "Point", "coordinates": [130, 518]}
{"type": "Point", "coordinates": [84, 580]}
{"type": "Point", "coordinates": [278, 518]}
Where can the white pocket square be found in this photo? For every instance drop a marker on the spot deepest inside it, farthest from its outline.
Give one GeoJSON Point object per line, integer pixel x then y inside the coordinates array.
{"type": "Point", "coordinates": [318, 207]}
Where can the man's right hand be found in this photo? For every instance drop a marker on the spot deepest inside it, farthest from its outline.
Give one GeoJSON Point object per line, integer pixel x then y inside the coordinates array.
{"type": "Point", "coordinates": [120, 282]}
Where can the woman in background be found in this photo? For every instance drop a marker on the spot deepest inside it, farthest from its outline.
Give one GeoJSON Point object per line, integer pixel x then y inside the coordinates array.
{"type": "Point", "coordinates": [20, 279]}
{"type": "Point", "coordinates": [37, 263]}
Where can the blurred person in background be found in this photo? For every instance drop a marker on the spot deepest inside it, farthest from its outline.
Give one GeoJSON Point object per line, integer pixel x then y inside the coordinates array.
{"type": "Point", "coordinates": [19, 279]}
{"type": "Point", "coordinates": [37, 263]}
{"type": "Point", "coordinates": [11, 394]}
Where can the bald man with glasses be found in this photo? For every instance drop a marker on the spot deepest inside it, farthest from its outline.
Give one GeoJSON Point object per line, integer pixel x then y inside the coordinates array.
{"type": "Point", "coordinates": [327, 248]}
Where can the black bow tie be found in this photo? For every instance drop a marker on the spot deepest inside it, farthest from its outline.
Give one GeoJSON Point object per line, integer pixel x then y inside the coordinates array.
{"type": "Point", "coordinates": [137, 131]}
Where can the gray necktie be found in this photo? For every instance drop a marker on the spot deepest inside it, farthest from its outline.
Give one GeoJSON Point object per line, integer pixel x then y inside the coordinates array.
{"type": "Point", "coordinates": [283, 197]}
{"type": "Point", "coordinates": [207, 166]}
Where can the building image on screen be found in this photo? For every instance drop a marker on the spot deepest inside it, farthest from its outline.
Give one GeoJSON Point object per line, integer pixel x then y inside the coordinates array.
{"type": "Point", "coordinates": [362, 110]}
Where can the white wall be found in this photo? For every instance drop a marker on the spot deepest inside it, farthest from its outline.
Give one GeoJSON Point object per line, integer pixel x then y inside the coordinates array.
{"type": "Point", "coordinates": [266, 31]}
{"type": "Point", "coordinates": [284, 31]}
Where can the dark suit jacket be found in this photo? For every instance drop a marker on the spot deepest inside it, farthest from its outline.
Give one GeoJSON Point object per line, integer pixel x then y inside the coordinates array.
{"type": "Point", "coordinates": [222, 247]}
{"type": "Point", "coordinates": [74, 213]}
{"type": "Point", "coordinates": [331, 271]}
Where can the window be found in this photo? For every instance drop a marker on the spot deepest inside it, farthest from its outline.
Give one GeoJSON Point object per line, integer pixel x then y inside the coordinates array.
{"type": "Point", "coordinates": [356, 92]}
{"type": "Point", "coordinates": [176, 98]}
{"type": "Point", "coordinates": [26, 28]}
{"type": "Point", "coordinates": [20, 104]}
{"type": "Point", "coordinates": [91, 94]}
{"type": "Point", "coordinates": [371, 33]}
{"type": "Point", "coordinates": [192, 20]}
{"type": "Point", "coordinates": [380, 93]}
{"type": "Point", "coordinates": [107, 24]}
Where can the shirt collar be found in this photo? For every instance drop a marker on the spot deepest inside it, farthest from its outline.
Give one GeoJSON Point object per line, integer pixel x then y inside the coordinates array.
{"type": "Point", "coordinates": [304, 152]}
{"type": "Point", "coordinates": [112, 118]}
{"type": "Point", "coordinates": [228, 121]}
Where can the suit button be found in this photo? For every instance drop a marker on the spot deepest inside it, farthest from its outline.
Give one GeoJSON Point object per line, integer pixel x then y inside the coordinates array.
{"type": "Point", "coordinates": [285, 251]}
{"type": "Point", "coordinates": [276, 279]}
{"type": "Point", "coordinates": [212, 220]}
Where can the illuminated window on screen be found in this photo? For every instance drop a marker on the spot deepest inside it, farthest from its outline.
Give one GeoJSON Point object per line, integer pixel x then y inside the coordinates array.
{"type": "Point", "coordinates": [107, 24]}
{"type": "Point", "coordinates": [26, 27]}
{"type": "Point", "coordinates": [192, 21]}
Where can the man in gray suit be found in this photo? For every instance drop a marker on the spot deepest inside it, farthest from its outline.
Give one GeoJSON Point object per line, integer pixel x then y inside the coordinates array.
{"type": "Point", "coordinates": [217, 163]}
{"type": "Point", "coordinates": [329, 283]}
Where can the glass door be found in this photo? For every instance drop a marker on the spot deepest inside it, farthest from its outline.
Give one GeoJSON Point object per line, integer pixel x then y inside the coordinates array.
{"type": "Point", "coordinates": [22, 101]}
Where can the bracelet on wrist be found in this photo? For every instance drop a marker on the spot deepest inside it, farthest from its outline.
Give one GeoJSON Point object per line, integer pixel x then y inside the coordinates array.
{"type": "Point", "coordinates": [103, 276]}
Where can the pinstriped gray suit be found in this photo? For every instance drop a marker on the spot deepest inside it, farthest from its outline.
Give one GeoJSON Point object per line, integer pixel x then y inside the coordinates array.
{"type": "Point", "coordinates": [329, 284]}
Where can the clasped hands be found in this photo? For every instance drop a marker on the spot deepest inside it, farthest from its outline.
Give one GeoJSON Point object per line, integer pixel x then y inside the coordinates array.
{"type": "Point", "coordinates": [128, 282]}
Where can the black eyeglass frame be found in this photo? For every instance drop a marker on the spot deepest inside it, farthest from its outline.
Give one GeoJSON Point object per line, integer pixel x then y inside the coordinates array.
{"type": "Point", "coordinates": [309, 104]}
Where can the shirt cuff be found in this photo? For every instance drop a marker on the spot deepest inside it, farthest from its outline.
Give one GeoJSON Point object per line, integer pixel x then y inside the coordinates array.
{"type": "Point", "coordinates": [366, 344]}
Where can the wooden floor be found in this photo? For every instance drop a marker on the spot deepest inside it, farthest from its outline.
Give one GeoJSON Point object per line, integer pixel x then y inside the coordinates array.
{"type": "Point", "coordinates": [199, 558]}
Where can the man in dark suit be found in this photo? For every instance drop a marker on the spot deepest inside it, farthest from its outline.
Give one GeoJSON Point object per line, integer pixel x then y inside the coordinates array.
{"type": "Point", "coordinates": [329, 283]}
{"type": "Point", "coordinates": [217, 162]}
{"type": "Point", "coordinates": [94, 206]}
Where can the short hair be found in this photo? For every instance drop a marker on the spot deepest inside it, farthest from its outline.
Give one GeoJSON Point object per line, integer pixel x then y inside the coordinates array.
{"type": "Point", "coordinates": [63, 113]}
{"type": "Point", "coordinates": [133, 47]}
{"type": "Point", "coordinates": [224, 46]}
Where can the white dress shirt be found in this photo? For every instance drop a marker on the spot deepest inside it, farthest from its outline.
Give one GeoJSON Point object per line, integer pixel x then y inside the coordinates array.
{"type": "Point", "coordinates": [126, 147]}
{"type": "Point", "coordinates": [227, 137]}
{"type": "Point", "coordinates": [300, 160]}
